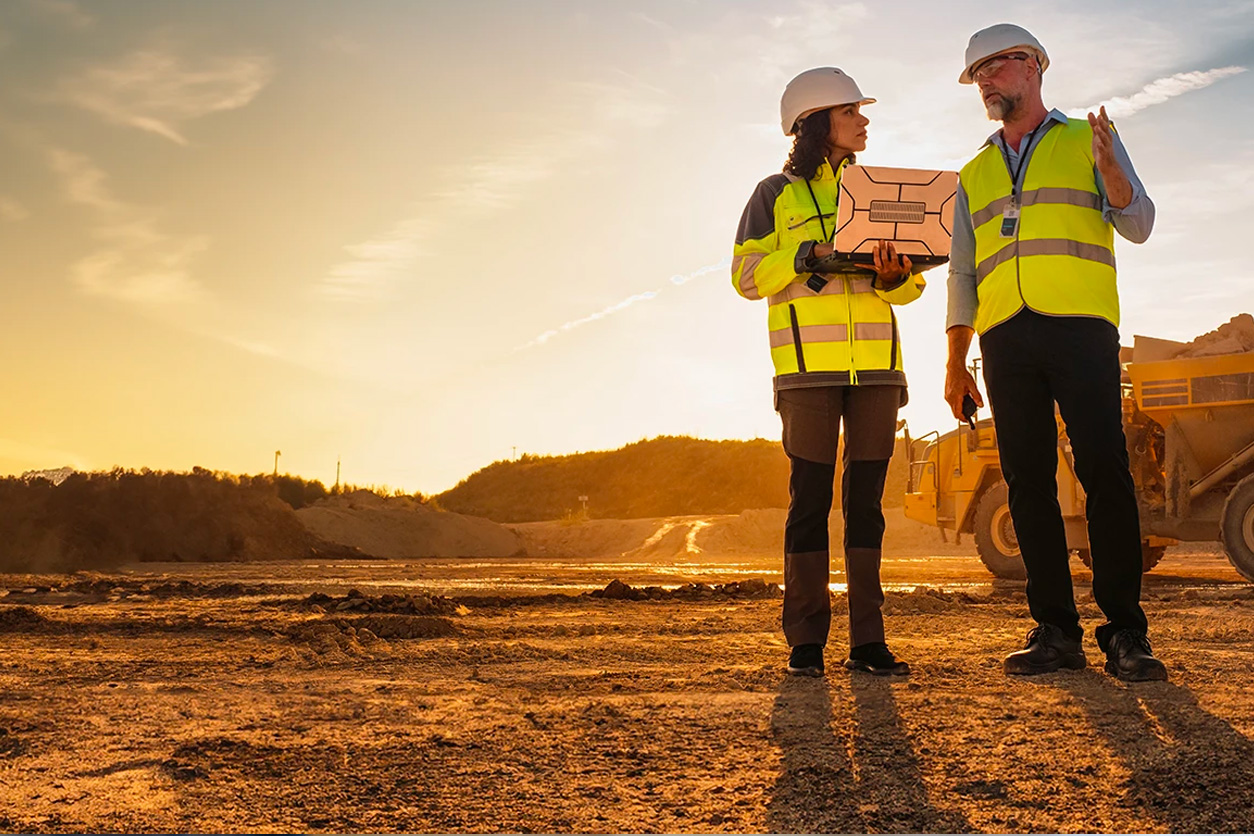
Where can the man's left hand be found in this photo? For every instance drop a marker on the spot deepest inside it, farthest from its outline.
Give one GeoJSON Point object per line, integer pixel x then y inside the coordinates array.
{"type": "Point", "coordinates": [889, 268]}
{"type": "Point", "coordinates": [1118, 188]}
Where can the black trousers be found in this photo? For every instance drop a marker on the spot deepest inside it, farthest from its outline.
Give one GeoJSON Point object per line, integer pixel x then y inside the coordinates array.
{"type": "Point", "coordinates": [1032, 361]}
{"type": "Point", "coordinates": [813, 420]}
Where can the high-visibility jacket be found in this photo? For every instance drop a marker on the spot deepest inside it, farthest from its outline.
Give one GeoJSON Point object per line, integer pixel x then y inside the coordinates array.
{"type": "Point", "coordinates": [1061, 258]}
{"type": "Point", "coordinates": [844, 334]}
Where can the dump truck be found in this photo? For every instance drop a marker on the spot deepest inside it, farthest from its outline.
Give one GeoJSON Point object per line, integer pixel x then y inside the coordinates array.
{"type": "Point", "coordinates": [1189, 425]}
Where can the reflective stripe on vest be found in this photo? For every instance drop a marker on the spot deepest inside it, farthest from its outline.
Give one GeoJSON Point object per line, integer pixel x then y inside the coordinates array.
{"type": "Point", "coordinates": [1062, 259]}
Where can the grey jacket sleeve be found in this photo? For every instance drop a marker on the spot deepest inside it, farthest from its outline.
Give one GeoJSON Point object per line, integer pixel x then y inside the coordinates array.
{"type": "Point", "coordinates": [962, 295]}
{"type": "Point", "coordinates": [1135, 221]}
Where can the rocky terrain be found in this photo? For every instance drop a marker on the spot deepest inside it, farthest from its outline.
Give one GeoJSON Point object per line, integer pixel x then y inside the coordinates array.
{"type": "Point", "coordinates": [600, 694]}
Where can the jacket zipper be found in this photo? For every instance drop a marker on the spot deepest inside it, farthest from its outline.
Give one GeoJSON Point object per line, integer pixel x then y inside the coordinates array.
{"type": "Point", "coordinates": [892, 356]}
{"type": "Point", "coordinates": [796, 339]}
{"type": "Point", "coordinates": [853, 370]}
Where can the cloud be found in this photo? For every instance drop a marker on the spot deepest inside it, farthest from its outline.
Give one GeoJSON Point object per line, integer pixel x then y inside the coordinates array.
{"type": "Point", "coordinates": [11, 210]}
{"type": "Point", "coordinates": [373, 262]}
{"type": "Point", "coordinates": [600, 115]}
{"type": "Point", "coordinates": [769, 50]}
{"type": "Point", "coordinates": [1159, 91]}
{"type": "Point", "coordinates": [157, 91]}
{"type": "Point", "coordinates": [135, 262]}
{"type": "Point", "coordinates": [648, 295]}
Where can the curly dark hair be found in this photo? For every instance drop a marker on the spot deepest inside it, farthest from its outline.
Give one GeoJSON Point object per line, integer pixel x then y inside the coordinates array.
{"type": "Point", "coordinates": [809, 146]}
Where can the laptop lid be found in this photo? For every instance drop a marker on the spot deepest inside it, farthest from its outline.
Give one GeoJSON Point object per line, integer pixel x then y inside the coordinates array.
{"type": "Point", "coordinates": [911, 207]}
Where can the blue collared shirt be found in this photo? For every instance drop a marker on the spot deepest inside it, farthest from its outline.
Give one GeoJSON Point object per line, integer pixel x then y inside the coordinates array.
{"type": "Point", "coordinates": [1134, 221]}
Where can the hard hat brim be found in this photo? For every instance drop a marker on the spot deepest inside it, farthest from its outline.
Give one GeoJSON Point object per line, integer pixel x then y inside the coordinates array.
{"type": "Point", "coordinates": [792, 131]}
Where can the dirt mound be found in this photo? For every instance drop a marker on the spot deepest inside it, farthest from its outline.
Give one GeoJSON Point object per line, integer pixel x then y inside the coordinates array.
{"type": "Point", "coordinates": [926, 599]}
{"type": "Point", "coordinates": [754, 588]}
{"type": "Point", "coordinates": [121, 588]}
{"type": "Point", "coordinates": [337, 640]}
{"type": "Point", "coordinates": [1236, 336]}
{"type": "Point", "coordinates": [21, 620]}
{"type": "Point", "coordinates": [356, 601]}
{"type": "Point", "coordinates": [101, 520]}
{"type": "Point", "coordinates": [328, 641]}
{"type": "Point", "coordinates": [401, 527]}
{"type": "Point", "coordinates": [401, 627]}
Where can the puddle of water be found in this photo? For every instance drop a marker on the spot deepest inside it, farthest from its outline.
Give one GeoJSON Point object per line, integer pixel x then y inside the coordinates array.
{"type": "Point", "coordinates": [517, 576]}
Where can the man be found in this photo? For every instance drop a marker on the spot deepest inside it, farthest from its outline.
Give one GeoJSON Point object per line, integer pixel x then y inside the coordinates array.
{"type": "Point", "coordinates": [1032, 270]}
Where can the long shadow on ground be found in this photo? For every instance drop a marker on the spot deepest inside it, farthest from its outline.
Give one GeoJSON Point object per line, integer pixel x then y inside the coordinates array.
{"type": "Point", "coordinates": [1190, 770]}
{"type": "Point", "coordinates": [857, 780]}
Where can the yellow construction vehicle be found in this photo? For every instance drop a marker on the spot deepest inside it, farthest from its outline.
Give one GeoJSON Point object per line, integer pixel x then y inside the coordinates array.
{"type": "Point", "coordinates": [1189, 425]}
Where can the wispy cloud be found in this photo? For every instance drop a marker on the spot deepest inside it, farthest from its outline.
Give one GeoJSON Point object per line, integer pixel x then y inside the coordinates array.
{"type": "Point", "coordinates": [769, 50]}
{"type": "Point", "coordinates": [262, 349]}
{"type": "Point", "coordinates": [11, 210]}
{"type": "Point", "coordinates": [388, 255]}
{"type": "Point", "coordinates": [135, 261]}
{"type": "Point", "coordinates": [646, 296]}
{"type": "Point", "coordinates": [158, 91]}
{"type": "Point", "coordinates": [1159, 91]}
{"type": "Point", "coordinates": [494, 182]}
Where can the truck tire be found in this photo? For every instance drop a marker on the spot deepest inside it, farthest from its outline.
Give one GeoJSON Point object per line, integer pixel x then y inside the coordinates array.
{"type": "Point", "coordinates": [995, 538]}
{"type": "Point", "coordinates": [1150, 555]}
{"type": "Point", "coordinates": [1236, 526]}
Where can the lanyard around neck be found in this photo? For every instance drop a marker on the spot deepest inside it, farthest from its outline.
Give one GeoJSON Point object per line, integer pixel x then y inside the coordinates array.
{"type": "Point", "coordinates": [1026, 145]}
{"type": "Point", "coordinates": [827, 239]}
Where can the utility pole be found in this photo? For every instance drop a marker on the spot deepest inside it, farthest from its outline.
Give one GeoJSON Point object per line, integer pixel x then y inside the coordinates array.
{"type": "Point", "coordinates": [277, 453]}
{"type": "Point", "coordinates": [515, 456]}
{"type": "Point", "coordinates": [336, 489]}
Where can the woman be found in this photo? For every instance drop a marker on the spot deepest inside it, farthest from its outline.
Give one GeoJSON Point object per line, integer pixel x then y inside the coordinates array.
{"type": "Point", "coordinates": [837, 360]}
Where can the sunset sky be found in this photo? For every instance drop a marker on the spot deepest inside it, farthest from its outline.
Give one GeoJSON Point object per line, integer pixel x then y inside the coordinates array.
{"type": "Point", "coordinates": [422, 236]}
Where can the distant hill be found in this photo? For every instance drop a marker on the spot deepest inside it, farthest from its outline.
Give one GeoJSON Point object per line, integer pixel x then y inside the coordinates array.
{"type": "Point", "coordinates": [658, 477]}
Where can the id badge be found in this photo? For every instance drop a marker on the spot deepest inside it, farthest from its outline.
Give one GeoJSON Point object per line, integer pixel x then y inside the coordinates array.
{"type": "Point", "coordinates": [1010, 219]}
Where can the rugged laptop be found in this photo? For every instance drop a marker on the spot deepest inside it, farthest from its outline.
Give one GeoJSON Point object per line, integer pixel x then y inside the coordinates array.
{"type": "Point", "coordinates": [911, 207]}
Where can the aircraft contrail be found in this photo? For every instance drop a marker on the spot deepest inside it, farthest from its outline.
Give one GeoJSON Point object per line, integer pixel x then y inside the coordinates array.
{"type": "Point", "coordinates": [623, 305]}
{"type": "Point", "coordinates": [1159, 91]}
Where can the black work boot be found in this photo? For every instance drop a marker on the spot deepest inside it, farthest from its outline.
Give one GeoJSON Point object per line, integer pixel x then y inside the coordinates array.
{"type": "Point", "coordinates": [876, 658]}
{"type": "Point", "coordinates": [1129, 657]}
{"type": "Point", "coordinates": [1047, 650]}
{"type": "Point", "coordinates": [806, 660]}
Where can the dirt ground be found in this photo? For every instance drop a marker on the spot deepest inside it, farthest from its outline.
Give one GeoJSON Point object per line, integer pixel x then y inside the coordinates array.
{"type": "Point", "coordinates": [224, 697]}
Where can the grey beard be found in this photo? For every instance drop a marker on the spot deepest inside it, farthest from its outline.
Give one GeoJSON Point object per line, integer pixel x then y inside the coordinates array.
{"type": "Point", "coordinates": [1002, 108]}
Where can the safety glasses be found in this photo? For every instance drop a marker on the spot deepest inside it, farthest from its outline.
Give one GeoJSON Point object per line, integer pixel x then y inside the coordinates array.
{"type": "Point", "coordinates": [993, 66]}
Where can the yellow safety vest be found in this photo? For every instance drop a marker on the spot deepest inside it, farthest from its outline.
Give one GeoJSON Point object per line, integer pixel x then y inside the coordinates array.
{"type": "Point", "coordinates": [1061, 259]}
{"type": "Point", "coordinates": [844, 334]}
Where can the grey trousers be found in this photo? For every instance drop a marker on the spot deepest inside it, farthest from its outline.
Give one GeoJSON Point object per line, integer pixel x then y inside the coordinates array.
{"type": "Point", "coordinates": [812, 420]}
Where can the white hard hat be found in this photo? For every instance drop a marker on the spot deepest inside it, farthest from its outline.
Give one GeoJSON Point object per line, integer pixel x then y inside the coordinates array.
{"type": "Point", "coordinates": [816, 89]}
{"type": "Point", "coordinates": [1002, 37]}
